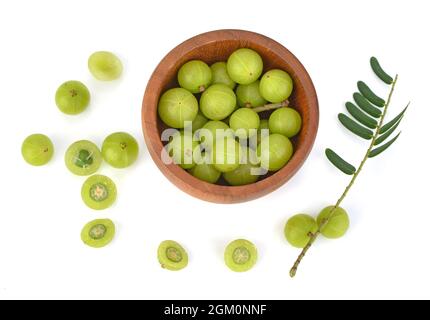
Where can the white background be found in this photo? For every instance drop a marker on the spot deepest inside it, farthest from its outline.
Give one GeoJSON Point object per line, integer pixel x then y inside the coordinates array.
{"type": "Point", "coordinates": [385, 253]}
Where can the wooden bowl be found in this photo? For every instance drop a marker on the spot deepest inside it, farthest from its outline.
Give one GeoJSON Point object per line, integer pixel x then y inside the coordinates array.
{"type": "Point", "coordinates": [217, 46]}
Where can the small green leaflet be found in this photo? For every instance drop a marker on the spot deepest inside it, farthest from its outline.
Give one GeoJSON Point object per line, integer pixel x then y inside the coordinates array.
{"type": "Point", "coordinates": [370, 95]}
{"type": "Point", "coordinates": [360, 116]}
{"type": "Point", "coordinates": [388, 125]}
{"type": "Point", "coordinates": [382, 138]}
{"type": "Point", "coordinates": [366, 106]}
{"type": "Point", "coordinates": [354, 127]}
{"type": "Point", "coordinates": [339, 163]}
{"type": "Point", "coordinates": [382, 148]}
{"type": "Point", "coordinates": [380, 73]}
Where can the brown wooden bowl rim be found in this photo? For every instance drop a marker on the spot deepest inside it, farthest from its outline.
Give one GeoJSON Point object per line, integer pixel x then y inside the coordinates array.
{"type": "Point", "coordinates": [219, 193]}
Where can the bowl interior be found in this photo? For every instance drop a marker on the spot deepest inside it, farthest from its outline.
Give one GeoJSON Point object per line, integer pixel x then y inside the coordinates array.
{"type": "Point", "coordinates": [220, 51]}
{"type": "Point", "coordinates": [217, 46]}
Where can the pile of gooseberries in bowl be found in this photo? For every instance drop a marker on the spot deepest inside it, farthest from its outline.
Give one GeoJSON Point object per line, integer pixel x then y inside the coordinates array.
{"type": "Point", "coordinates": [229, 115]}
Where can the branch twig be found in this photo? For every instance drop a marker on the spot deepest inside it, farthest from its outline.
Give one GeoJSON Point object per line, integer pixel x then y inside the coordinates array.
{"type": "Point", "coordinates": [348, 187]}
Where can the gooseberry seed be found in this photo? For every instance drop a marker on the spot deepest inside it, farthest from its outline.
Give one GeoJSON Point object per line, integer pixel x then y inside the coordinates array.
{"type": "Point", "coordinates": [173, 254]}
{"type": "Point", "coordinates": [97, 232]}
{"type": "Point", "coordinates": [98, 192]}
{"type": "Point", "coordinates": [241, 255]}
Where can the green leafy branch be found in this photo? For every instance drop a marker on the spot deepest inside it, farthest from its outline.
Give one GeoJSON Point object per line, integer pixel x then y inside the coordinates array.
{"type": "Point", "coordinates": [366, 120]}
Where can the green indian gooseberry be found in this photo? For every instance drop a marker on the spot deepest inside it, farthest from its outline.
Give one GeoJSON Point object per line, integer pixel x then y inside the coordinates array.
{"type": "Point", "coordinates": [256, 139]}
{"type": "Point", "coordinates": [240, 255]}
{"type": "Point", "coordinates": [206, 172]}
{"type": "Point", "coordinates": [245, 173]}
{"type": "Point", "coordinates": [274, 151]}
{"type": "Point", "coordinates": [264, 125]}
{"type": "Point", "coordinates": [172, 256]}
{"type": "Point", "coordinates": [248, 95]}
{"type": "Point", "coordinates": [183, 149]}
{"type": "Point", "coordinates": [244, 122]}
{"type": "Point", "coordinates": [220, 75]}
{"type": "Point", "coordinates": [199, 121]}
{"type": "Point", "coordinates": [226, 154]}
{"type": "Point", "coordinates": [286, 121]}
{"type": "Point", "coordinates": [105, 66]}
{"type": "Point", "coordinates": [83, 158]}
{"type": "Point", "coordinates": [176, 106]}
{"type": "Point", "coordinates": [120, 149]}
{"type": "Point", "coordinates": [98, 192]}
{"type": "Point", "coordinates": [195, 76]}
{"type": "Point", "coordinates": [244, 66]}
{"type": "Point", "coordinates": [98, 233]}
{"type": "Point", "coordinates": [37, 149]}
{"type": "Point", "coordinates": [72, 97]}
{"type": "Point", "coordinates": [217, 102]}
{"type": "Point", "coordinates": [299, 228]}
{"type": "Point", "coordinates": [338, 223]}
{"type": "Point", "coordinates": [208, 133]}
{"type": "Point", "coordinates": [276, 85]}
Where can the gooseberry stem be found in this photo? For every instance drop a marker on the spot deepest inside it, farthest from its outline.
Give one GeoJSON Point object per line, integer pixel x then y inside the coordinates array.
{"type": "Point", "coordinates": [271, 106]}
{"type": "Point", "coordinates": [348, 187]}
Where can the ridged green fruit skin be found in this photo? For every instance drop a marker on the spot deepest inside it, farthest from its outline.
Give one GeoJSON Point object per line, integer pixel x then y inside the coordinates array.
{"type": "Point", "coordinates": [176, 106]}
{"type": "Point", "coordinates": [37, 149]}
{"type": "Point", "coordinates": [105, 66]}
{"type": "Point", "coordinates": [276, 85]}
{"type": "Point", "coordinates": [298, 228]}
{"type": "Point", "coordinates": [220, 75]}
{"type": "Point", "coordinates": [120, 149]}
{"type": "Point", "coordinates": [244, 66]}
{"type": "Point", "coordinates": [205, 172]}
{"type": "Point", "coordinates": [217, 102]}
{"type": "Point", "coordinates": [274, 151]}
{"type": "Point", "coordinates": [338, 224]}
{"type": "Point", "coordinates": [195, 76]}
{"type": "Point", "coordinates": [285, 121]}
{"type": "Point", "coordinates": [248, 95]}
{"type": "Point", "coordinates": [72, 97]}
